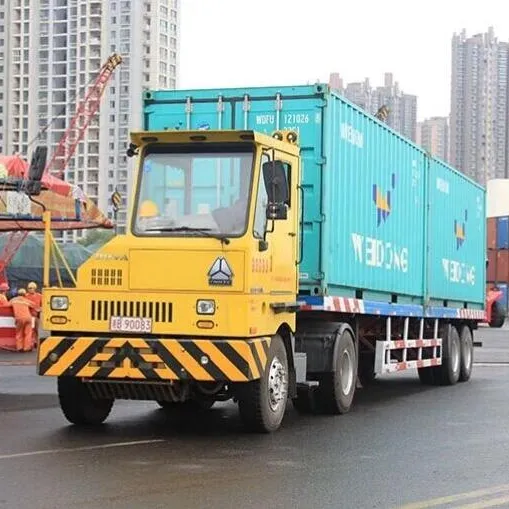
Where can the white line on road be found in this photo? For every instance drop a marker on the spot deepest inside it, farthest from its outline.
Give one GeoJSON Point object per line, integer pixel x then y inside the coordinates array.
{"type": "Point", "coordinates": [78, 449]}
{"type": "Point", "coordinates": [488, 364]}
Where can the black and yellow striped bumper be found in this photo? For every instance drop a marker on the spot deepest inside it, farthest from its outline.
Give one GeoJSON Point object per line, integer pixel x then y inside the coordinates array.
{"type": "Point", "coordinates": [164, 359]}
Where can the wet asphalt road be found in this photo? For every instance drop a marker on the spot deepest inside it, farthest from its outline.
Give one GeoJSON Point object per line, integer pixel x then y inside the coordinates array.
{"type": "Point", "coordinates": [403, 443]}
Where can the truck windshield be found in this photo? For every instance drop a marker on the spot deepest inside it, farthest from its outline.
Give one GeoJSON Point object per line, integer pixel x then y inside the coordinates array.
{"type": "Point", "coordinates": [187, 193]}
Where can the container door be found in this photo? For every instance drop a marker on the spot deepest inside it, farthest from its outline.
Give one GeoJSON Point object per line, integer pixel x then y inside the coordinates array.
{"type": "Point", "coordinates": [503, 232]}
{"type": "Point", "coordinates": [184, 114]}
{"type": "Point", "coordinates": [303, 115]}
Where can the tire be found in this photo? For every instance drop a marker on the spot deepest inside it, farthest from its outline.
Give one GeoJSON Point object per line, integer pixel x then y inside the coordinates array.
{"type": "Point", "coordinates": [449, 371]}
{"type": "Point", "coordinates": [497, 315]}
{"type": "Point", "coordinates": [336, 390]}
{"type": "Point", "coordinates": [262, 403]}
{"type": "Point", "coordinates": [77, 404]}
{"type": "Point", "coordinates": [190, 405]}
{"type": "Point", "coordinates": [467, 353]}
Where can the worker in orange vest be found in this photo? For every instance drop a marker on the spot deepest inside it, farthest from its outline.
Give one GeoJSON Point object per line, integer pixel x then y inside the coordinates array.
{"type": "Point", "coordinates": [4, 288]}
{"type": "Point", "coordinates": [35, 298]}
{"type": "Point", "coordinates": [21, 308]}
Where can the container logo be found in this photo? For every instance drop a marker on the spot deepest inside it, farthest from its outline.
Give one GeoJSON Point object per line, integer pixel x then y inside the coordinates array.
{"type": "Point", "coordinates": [460, 230]}
{"type": "Point", "coordinates": [383, 201]}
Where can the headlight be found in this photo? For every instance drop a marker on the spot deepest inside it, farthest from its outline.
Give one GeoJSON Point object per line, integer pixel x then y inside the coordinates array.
{"type": "Point", "coordinates": [205, 307]}
{"type": "Point", "coordinates": [59, 303]}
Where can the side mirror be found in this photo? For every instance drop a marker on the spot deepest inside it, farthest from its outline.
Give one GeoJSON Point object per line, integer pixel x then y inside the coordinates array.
{"type": "Point", "coordinates": [276, 184]}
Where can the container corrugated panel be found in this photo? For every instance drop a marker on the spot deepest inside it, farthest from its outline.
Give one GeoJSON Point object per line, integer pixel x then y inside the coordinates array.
{"type": "Point", "coordinates": [492, 233]}
{"type": "Point", "coordinates": [457, 236]}
{"type": "Point", "coordinates": [374, 205]}
{"type": "Point", "coordinates": [502, 266]}
{"type": "Point", "coordinates": [503, 232]}
{"type": "Point", "coordinates": [491, 274]}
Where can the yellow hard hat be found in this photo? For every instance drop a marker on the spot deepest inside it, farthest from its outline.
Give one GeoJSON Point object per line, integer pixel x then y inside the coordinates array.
{"type": "Point", "coordinates": [148, 209]}
{"type": "Point", "coordinates": [32, 285]}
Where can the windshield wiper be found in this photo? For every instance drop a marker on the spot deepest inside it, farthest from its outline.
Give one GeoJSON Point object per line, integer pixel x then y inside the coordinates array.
{"type": "Point", "coordinates": [204, 231]}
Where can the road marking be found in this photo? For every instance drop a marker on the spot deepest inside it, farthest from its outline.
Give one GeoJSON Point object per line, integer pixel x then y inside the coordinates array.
{"type": "Point", "coordinates": [79, 449]}
{"type": "Point", "coordinates": [456, 498]}
{"type": "Point", "coordinates": [494, 502]}
{"type": "Point", "coordinates": [489, 364]}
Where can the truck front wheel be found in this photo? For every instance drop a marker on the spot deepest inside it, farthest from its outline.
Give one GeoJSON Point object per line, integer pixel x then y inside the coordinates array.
{"type": "Point", "coordinates": [336, 390]}
{"type": "Point", "coordinates": [262, 403]}
{"type": "Point", "coordinates": [77, 404]}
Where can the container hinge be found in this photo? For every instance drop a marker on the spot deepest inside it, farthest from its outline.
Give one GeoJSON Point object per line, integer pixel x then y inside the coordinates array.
{"type": "Point", "coordinates": [279, 103]}
{"type": "Point", "coordinates": [319, 219]}
{"type": "Point", "coordinates": [318, 276]}
{"type": "Point", "coordinates": [189, 109]}
{"type": "Point", "coordinates": [220, 104]}
{"type": "Point", "coordinates": [321, 161]}
{"type": "Point", "coordinates": [278, 106]}
{"type": "Point", "coordinates": [246, 107]}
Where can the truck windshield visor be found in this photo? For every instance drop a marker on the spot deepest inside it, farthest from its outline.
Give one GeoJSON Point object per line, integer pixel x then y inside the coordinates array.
{"type": "Point", "coordinates": [194, 191]}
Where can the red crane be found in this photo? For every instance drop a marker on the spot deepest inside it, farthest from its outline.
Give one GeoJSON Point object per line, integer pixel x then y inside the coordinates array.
{"type": "Point", "coordinates": [85, 112]}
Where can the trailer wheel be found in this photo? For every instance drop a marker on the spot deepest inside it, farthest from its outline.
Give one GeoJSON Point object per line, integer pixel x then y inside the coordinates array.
{"type": "Point", "coordinates": [449, 370]}
{"type": "Point", "coordinates": [336, 390]}
{"type": "Point", "coordinates": [467, 353]}
{"type": "Point", "coordinates": [497, 315]}
{"type": "Point", "coordinates": [77, 404]}
{"type": "Point", "coordinates": [262, 403]}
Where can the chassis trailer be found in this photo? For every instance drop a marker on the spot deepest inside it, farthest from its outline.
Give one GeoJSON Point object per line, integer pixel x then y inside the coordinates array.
{"type": "Point", "coordinates": [282, 244]}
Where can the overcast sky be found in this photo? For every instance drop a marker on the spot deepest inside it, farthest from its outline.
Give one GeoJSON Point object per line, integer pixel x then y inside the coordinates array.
{"type": "Point", "coordinates": [289, 42]}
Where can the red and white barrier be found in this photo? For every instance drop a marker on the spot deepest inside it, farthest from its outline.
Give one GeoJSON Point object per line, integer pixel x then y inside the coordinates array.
{"type": "Point", "coordinates": [8, 329]}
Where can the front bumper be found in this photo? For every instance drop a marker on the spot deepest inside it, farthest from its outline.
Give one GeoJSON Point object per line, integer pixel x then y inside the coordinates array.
{"type": "Point", "coordinates": [121, 359]}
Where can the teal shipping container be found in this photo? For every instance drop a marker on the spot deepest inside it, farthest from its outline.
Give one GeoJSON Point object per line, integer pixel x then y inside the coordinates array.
{"type": "Point", "coordinates": [382, 219]}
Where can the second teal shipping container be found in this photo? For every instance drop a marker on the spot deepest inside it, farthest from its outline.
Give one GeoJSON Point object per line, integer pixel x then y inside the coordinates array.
{"type": "Point", "coordinates": [382, 219]}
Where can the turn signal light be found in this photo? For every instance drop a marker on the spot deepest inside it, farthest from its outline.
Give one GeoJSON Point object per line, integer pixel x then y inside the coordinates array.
{"type": "Point", "coordinates": [205, 324]}
{"type": "Point", "coordinates": [59, 320]}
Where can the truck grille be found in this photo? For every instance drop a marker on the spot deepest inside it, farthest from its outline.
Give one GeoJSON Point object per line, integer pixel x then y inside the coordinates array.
{"type": "Point", "coordinates": [159, 311]}
{"type": "Point", "coordinates": [106, 277]}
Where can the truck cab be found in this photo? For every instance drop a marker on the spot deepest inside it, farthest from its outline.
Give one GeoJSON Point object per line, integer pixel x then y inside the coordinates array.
{"type": "Point", "coordinates": [197, 301]}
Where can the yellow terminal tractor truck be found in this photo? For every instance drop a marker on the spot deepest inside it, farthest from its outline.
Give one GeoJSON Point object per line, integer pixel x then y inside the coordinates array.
{"type": "Point", "coordinates": [281, 244]}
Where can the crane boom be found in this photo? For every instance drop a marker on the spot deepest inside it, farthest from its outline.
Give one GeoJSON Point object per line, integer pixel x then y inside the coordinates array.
{"type": "Point", "coordinates": [85, 112]}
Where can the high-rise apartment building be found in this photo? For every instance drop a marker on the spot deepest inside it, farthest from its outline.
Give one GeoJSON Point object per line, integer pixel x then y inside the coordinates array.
{"type": "Point", "coordinates": [402, 107]}
{"type": "Point", "coordinates": [479, 106]}
{"type": "Point", "coordinates": [433, 135]}
{"type": "Point", "coordinates": [52, 49]}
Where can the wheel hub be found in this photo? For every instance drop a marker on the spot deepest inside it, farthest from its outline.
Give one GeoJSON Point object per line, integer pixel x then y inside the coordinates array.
{"type": "Point", "coordinates": [455, 355]}
{"type": "Point", "coordinates": [277, 384]}
{"type": "Point", "coordinates": [346, 372]}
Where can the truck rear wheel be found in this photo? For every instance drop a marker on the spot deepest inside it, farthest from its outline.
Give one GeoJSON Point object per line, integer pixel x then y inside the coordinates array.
{"type": "Point", "coordinates": [467, 353]}
{"type": "Point", "coordinates": [77, 404]}
{"type": "Point", "coordinates": [449, 371]}
{"type": "Point", "coordinates": [262, 403]}
{"type": "Point", "coordinates": [336, 390]}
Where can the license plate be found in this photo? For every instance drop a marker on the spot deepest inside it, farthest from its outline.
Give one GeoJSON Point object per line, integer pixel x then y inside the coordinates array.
{"type": "Point", "coordinates": [130, 324]}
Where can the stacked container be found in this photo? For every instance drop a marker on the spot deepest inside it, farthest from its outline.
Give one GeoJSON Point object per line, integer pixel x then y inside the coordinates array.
{"type": "Point", "coordinates": [497, 208]}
